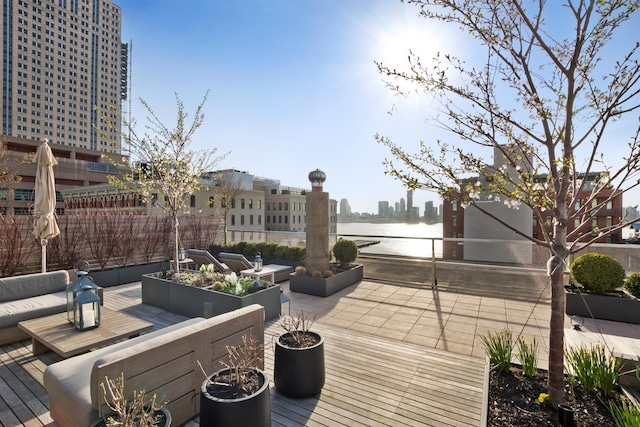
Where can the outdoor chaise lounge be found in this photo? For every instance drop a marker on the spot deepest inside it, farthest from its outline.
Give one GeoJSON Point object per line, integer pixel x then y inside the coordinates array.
{"type": "Point", "coordinates": [237, 263]}
{"type": "Point", "coordinates": [201, 257]}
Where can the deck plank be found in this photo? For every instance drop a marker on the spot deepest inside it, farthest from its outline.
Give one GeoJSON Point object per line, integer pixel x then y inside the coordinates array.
{"type": "Point", "coordinates": [370, 380]}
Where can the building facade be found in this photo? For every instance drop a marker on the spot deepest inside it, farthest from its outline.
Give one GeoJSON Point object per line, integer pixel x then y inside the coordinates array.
{"type": "Point", "coordinates": [60, 60]}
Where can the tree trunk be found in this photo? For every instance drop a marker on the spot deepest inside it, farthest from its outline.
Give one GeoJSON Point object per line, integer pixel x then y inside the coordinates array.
{"type": "Point", "coordinates": [556, 325]}
{"type": "Point", "coordinates": [176, 243]}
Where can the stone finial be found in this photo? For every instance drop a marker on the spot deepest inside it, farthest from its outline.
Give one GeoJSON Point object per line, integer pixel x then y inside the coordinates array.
{"type": "Point", "coordinates": [317, 177]}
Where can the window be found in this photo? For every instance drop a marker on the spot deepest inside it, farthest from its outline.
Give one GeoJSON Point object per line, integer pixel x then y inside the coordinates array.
{"type": "Point", "coordinates": [286, 206]}
{"type": "Point", "coordinates": [259, 219]}
{"type": "Point", "coordinates": [241, 219]}
{"type": "Point", "coordinates": [576, 206]}
{"type": "Point", "coordinates": [576, 223]}
{"type": "Point", "coordinates": [535, 221]}
{"type": "Point", "coordinates": [454, 220]}
{"type": "Point", "coordinates": [609, 221]}
{"type": "Point", "coordinates": [250, 219]}
{"type": "Point", "coordinates": [610, 204]}
{"type": "Point", "coordinates": [259, 204]}
{"type": "Point", "coordinates": [242, 204]}
{"type": "Point", "coordinates": [233, 220]}
{"type": "Point", "coordinates": [286, 219]}
{"type": "Point", "coordinates": [27, 195]}
{"type": "Point", "coordinates": [454, 205]}
{"type": "Point", "coordinates": [594, 223]}
{"type": "Point", "coordinates": [280, 206]}
{"type": "Point", "coordinates": [279, 219]}
{"type": "Point", "coordinates": [192, 201]}
{"type": "Point", "coordinates": [250, 203]}
{"type": "Point", "coordinates": [233, 203]}
{"type": "Point", "coordinates": [268, 206]}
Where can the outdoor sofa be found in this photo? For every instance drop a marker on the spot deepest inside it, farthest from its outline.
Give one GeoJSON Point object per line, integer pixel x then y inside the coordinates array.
{"type": "Point", "coordinates": [237, 263]}
{"type": "Point", "coordinates": [202, 257]}
{"type": "Point", "coordinates": [27, 297]}
{"type": "Point", "coordinates": [163, 362]}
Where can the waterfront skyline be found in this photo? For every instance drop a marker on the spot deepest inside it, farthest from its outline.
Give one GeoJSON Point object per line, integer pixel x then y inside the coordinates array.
{"type": "Point", "coordinates": [294, 86]}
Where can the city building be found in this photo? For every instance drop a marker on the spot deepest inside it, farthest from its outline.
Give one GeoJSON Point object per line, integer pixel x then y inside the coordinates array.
{"type": "Point", "coordinates": [383, 209]}
{"type": "Point", "coordinates": [478, 230]}
{"type": "Point", "coordinates": [60, 60]}
{"type": "Point", "coordinates": [77, 167]}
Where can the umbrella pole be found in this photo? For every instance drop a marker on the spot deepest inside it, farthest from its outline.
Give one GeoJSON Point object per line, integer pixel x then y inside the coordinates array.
{"type": "Point", "coordinates": [43, 243]}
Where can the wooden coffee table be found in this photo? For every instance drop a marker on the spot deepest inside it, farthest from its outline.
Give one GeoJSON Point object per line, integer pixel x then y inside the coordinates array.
{"type": "Point", "coordinates": [56, 333]}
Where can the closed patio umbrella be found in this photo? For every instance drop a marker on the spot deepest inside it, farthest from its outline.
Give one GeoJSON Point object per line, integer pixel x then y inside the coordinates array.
{"type": "Point", "coordinates": [45, 226]}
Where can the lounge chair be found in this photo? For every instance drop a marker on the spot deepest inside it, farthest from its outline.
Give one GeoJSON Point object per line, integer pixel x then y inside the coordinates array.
{"type": "Point", "coordinates": [237, 263]}
{"type": "Point", "coordinates": [201, 257]}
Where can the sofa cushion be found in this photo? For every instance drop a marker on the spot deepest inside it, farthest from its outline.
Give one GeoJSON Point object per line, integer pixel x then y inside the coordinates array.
{"type": "Point", "coordinates": [31, 285]}
{"type": "Point", "coordinates": [70, 380]}
{"type": "Point", "coordinates": [12, 312]}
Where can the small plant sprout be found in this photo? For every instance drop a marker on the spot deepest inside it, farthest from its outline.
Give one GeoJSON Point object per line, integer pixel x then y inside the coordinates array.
{"type": "Point", "coordinates": [240, 362]}
{"type": "Point", "coordinates": [527, 356]}
{"type": "Point", "coordinates": [139, 411]}
{"type": "Point", "coordinates": [298, 327]}
{"type": "Point", "coordinates": [499, 348]}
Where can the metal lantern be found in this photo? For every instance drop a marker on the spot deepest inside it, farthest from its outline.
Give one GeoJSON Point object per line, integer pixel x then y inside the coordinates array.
{"type": "Point", "coordinates": [75, 288]}
{"type": "Point", "coordinates": [181, 254]}
{"type": "Point", "coordinates": [86, 309]}
{"type": "Point", "coordinates": [257, 262]}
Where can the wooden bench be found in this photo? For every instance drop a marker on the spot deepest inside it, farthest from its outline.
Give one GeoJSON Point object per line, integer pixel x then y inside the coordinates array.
{"type": "Point", "coordinates": [163, 362]}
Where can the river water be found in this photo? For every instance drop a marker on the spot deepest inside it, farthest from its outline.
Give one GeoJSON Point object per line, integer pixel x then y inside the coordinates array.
{"type": "Point", "coordinates": [396, 238]}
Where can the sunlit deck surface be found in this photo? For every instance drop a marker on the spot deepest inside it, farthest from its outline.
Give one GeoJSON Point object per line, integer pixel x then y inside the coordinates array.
{"type": "Point", "coordinates": [395, 355]}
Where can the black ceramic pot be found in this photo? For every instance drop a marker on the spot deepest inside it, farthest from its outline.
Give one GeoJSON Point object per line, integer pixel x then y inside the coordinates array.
{"type": "Point", "coordinates": [254, 410]}
{"type": "Point", "coordinates": [299, 372]}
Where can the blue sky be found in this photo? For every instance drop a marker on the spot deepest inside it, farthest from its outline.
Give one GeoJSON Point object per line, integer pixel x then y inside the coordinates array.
{"type": "Point", "coordinates": [293, 84]}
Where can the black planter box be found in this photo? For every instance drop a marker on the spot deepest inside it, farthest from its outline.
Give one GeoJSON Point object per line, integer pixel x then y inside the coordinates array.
{"type": "Point", "coordinates": [191, 301]}
{"type": "Point", "coordinates": [122, 275]}
{"type": "Point", "coordinates": [605, 307]}
{"type": "Point", "coordinates": [325, 286]}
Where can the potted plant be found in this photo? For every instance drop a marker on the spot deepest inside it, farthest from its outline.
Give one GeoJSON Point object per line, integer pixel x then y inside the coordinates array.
{"type": "Point", "coordinates": [140, 411]}
{"type": "Point", "coordinates": [342, 274]}
{"type": "Point", "coordinates": [596, 290]}
{"type": "Point", "coordinates": [237, 395]}
{"type": "Point", "coordinates": [299, 358]}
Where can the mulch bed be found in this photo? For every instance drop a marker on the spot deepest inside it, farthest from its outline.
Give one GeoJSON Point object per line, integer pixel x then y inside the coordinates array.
{"type": "Point", "coordinates": [513, 401]}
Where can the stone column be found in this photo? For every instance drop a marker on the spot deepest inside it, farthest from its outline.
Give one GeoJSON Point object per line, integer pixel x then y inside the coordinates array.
{"type": "Point", "coordinates": [318, 250]}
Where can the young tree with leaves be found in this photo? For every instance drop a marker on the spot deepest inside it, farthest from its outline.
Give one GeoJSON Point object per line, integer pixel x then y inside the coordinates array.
{"type": "Point", "coordinates": [165, 170]}
{"type": "Point", "coordinates": [544, 97]}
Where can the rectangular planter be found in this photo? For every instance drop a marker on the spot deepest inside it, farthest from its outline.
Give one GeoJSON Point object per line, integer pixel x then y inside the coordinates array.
{"type": "Point", "coordinates": [191, 301]}
{"type": "Point", "coordinates": [121, 275]}
{"type": "Point", "coordinates": [603, 307]}
{"type": "Point", "coordinates": [325, 286]}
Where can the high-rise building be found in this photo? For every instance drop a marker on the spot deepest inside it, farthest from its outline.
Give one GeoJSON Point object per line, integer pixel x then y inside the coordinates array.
{"type": "Point", "coordinates": [61, 61]}
{"type": "Point", "coordinates": [383, 209]}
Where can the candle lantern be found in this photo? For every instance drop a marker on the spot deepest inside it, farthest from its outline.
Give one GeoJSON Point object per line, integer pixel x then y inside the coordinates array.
{"type": "Point", "coordinates": [257, 262]}
{"type": "Point", "coordinates": [75, 288]}
{"type": "Point", "coordinates": [86, 309]}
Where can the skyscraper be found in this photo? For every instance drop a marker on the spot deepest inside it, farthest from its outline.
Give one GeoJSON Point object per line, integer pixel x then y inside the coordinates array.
{"type": "Point", "coordinates": [60, 60]}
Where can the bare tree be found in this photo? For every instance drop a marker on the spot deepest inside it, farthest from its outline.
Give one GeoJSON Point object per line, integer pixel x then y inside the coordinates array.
{"type": "Point", "coordinates": [16, 243]}
{"type": "Point", "coordinates": [545, 98]}
{"type": "Point", "coordinates": [165, 170]}
{"type": "Point", "coordinates": [69, 247]}
{"type": "Point", "coordinates": [227, 186]}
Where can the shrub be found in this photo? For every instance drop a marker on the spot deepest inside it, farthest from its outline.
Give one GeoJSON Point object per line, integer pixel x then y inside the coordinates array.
{"type": "Point", "coordinates": [632, 284]}
{"type": "Point", "coordinates": [301, 271]}
{"type": "Point", "coordinates": [327, 273]}
{"type": "Point", "coordinates": [317, 274]}
{"type": "Point", "coordinates": [597, 272]}
{"type": "Point", "coordinates": [345, 251]}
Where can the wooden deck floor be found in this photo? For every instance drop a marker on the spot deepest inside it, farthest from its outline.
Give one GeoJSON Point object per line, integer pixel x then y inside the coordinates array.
{"type": "Point", "coordinates": [370, 380]}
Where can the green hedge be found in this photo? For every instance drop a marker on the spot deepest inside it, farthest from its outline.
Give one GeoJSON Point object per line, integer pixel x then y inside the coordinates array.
{"type": "Point", "coordinates": [598, 272]}
{"type": "Point", "coordinates": [267, 250]}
